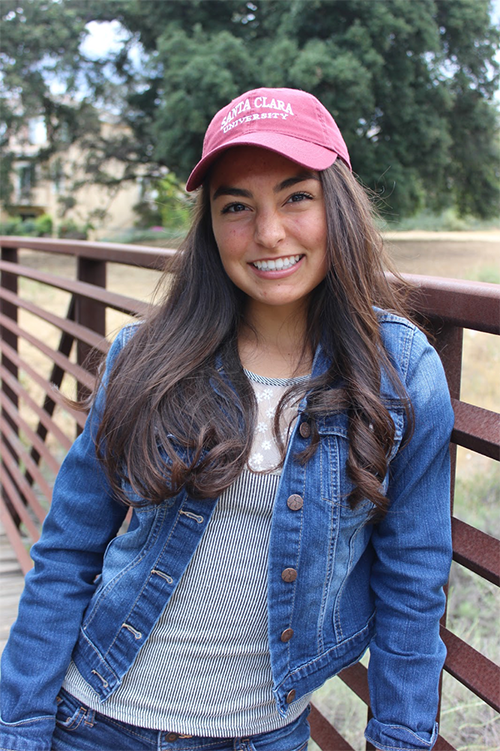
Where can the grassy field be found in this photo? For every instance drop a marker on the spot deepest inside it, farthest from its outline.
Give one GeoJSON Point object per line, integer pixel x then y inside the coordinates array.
{"type": "Point", "coordinates": [473, 604]}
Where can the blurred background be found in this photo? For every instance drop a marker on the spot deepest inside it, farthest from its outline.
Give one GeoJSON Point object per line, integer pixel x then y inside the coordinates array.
{"type": "Point", "coordinates": [103, 103]}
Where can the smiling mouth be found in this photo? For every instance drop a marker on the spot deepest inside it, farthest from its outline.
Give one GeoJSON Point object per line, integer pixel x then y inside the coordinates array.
{"type": "Point", "coordinates": [278, 264]}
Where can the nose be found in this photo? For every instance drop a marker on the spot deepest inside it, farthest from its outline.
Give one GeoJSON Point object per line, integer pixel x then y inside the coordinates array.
{"type": "Point", "coordinates": [269, 229]}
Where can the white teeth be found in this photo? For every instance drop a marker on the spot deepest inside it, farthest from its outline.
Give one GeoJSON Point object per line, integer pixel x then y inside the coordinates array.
{"type": "Point", "coordinates": [278, 264]}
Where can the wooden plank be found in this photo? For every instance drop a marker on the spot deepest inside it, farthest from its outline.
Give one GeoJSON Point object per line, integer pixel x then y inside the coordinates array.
{"type": "Point", "coordinates": [443, 745]}
{"type": "Point", "coordinates": [474, 670]}
{"type": "Point", "coordinates": [11, 586]}
{"type": "Point", "coordinates": [123, 303]}
{"type": "Point", "coordinates": [15, 538]}
{"type": "Point", "coordinates": [43, 416]}
{"type": "Point", "coordinates": [132, 255]}
{"type": "Point", "coordinates": [83, 376]}
{"type": "Point", "coordinates": [30, 435]}
{"type": "Point", "coordinates": [476, 550]}
{"type": "Point", "coordinates": [52, 392]}
{"type": "Point", "coordinates": [477, 429]}
{"type": "Point", "coordinates": [77, 331]}
{"type": "Point", "coordinates": [324, 734]}
{"type": "Point", "coordinates": [356, 677]}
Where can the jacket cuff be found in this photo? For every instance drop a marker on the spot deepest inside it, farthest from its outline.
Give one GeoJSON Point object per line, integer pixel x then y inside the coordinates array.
{"type": "Point", "coordinates": [398, 738]}
{"type": "Point", "coordinates": [27, 735]}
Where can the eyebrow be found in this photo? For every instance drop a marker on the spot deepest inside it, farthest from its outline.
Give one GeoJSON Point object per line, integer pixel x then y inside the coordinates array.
{"type": "Point", "coordinates": [290, 181]}
{"type": "Point", "coordinates": [228, 190]}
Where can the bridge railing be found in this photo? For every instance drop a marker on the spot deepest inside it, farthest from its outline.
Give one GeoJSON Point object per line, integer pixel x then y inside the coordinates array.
{"type": "Point", "coordinates": [46, 353]}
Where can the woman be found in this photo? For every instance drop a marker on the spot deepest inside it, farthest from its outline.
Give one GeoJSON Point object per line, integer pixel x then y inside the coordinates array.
{"type": "Point", "coordinates": [281, 432]}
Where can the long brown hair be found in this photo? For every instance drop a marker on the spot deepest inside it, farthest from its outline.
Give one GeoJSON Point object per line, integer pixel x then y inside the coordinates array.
{"type": "Point", "coordinates": [180, 411]}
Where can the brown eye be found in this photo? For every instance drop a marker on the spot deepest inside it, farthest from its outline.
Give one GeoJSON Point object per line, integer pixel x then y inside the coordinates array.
{"type": "Point", "coordinates": [297, 197]}
{"type": "Point", "coordinates": [233, 208]}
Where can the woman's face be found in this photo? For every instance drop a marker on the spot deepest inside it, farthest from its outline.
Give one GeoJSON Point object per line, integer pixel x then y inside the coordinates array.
{"type": "Point", "coordinates": [269, 222]}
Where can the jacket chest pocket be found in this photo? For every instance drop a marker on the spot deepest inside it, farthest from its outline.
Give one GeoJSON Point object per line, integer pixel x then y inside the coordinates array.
{"type": "Point", "coordinates": [333, 454]}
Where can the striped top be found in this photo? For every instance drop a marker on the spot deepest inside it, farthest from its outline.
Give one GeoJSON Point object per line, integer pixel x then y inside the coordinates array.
{"type": "Point", "coordinates": [205, 668]}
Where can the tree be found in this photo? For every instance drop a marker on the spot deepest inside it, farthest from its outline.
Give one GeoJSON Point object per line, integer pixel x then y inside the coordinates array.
{"type": "Point", "coordinates": [40, 44]}
{"type": "Point", "coordinates": [411, 84]}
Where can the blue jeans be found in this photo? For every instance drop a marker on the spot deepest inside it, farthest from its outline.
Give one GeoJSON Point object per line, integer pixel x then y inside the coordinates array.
{"type": "Point", "coordinates": [79, 728]}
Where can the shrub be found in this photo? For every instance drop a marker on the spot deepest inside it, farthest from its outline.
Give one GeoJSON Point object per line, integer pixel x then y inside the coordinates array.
{"type": "Point", "coordinates": [43, 225]}
{"type": "Point", "coordinates": [39, 227]}
{"type": "Point", "coordinates": [70, 230]}
{"type": "Point", "coordinates": [12, 226]}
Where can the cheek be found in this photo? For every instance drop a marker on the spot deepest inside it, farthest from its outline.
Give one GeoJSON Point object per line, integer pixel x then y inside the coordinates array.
{"type": "Point", "coordinates": [316, 241]}
{"type": "Point", "coordinates": [231, 242]}
{"type": "Point", "coordinates": [227, 245]}
{"type": "Point", "coordinates": [312, 233]}
{"type": "Point", "coordinates": [321, 230]}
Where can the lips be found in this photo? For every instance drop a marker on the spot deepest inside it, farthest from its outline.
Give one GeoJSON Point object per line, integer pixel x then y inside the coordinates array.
{"type": "Point", "coordinates": [278, 264]}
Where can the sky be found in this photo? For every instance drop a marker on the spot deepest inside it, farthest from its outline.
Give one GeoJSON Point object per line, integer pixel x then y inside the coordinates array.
{"type": "Point", "coordinates": [103, 37]}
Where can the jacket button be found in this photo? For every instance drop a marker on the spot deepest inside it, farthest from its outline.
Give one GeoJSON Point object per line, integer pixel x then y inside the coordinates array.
{"type": "Point", "coordinates": [287, 634]}
{"type": "Point", "coordinates": [289, 574]}
{"type": "Point", "coordinates": [290, 696]}
{"type": "Point", "coordinates": [305, 429]}
{"type": "Point", "coordinates": [295, 502]}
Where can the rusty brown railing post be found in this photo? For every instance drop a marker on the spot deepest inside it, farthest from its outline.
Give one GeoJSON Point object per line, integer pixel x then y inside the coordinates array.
{"type": "Point", "coordinates": [449, 344]}
{"type": "Point", "coordinates": [56, 378]}
{"type": "Point", "coordinates": [90, 313]}
{"type": "Point", "coordinates": [8, 309]}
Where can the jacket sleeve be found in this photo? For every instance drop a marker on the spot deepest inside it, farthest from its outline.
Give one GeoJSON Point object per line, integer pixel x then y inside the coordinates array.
{"type": "Point", "coordinates": [82, 519]}
{"type": "Point", "coordinates": [412, 560]}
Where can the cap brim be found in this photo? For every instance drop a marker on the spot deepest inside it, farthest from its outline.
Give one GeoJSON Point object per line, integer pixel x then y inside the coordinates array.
{"type": "Point", "coordinates": [304, 153]}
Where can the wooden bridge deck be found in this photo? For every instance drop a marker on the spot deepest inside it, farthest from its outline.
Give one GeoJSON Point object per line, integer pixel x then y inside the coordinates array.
{"type": "Point", "coordinates": [11, 586]}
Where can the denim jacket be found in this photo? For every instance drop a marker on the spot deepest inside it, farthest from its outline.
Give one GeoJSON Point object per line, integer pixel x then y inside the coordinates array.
{"type": "Point", "coordinates": [94, 595]}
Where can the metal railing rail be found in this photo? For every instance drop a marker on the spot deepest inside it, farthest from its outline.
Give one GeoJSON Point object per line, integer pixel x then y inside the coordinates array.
{"type": "Point", "coordinates": [33, 441]}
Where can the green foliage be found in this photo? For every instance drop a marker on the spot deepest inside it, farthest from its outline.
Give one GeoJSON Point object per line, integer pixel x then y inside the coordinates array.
{"type": "Point", "coordinates": [160, 236]}
{"type": "Point", "coordinates": [477, 500]}
{"type": "Point", "coordinates": [149, 215]}
{"type": "Point", "coordinates": [444, 221]}
{"type": "Point", "coordinates": [477, 190]}
{"type": "Point", "coordinates": [172, 203]}
{"type": "Point", "coordinates": [489, 274]}
{"type": "Point", "coordinates": [205, 72]}
{"type": "Point", "coordinates": [411, 84]}
{"type": "Point", "coordinates": [6, 162]}
{"type": "Point", "coordinates": [166, 207]}
{"type": "Point", "coordinates": [43, 225]}
{"type": "Point", "coordinates": [70, 230]}
{"type": "Point", "coordinates": [12, 226]}
{"type": "Point", "coordinates": [39, 227]}
{"type": "Point", "coordinates": [40, 44]}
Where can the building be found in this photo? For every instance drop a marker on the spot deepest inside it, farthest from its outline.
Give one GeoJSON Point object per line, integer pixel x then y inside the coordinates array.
{"type": "Point", "coordinates": [48, 187]}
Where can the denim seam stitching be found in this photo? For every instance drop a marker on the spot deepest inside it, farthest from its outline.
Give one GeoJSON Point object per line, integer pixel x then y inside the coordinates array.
{"type": "Point", "coordinates": [154, 533]}
{"type": "Point", "coordinates": [145, 584]}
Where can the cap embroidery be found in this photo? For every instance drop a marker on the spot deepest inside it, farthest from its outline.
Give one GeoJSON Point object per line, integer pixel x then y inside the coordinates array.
{"type": "Point", "coordinates": [283, 108]}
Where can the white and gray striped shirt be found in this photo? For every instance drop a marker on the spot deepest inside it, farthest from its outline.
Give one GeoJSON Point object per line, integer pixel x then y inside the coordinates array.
{"type": "Point", "coordinates": [205, 668]}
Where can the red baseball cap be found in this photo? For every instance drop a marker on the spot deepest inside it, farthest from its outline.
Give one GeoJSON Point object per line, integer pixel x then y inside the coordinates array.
{"type": "Point", "coordinates": [288, 121]}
